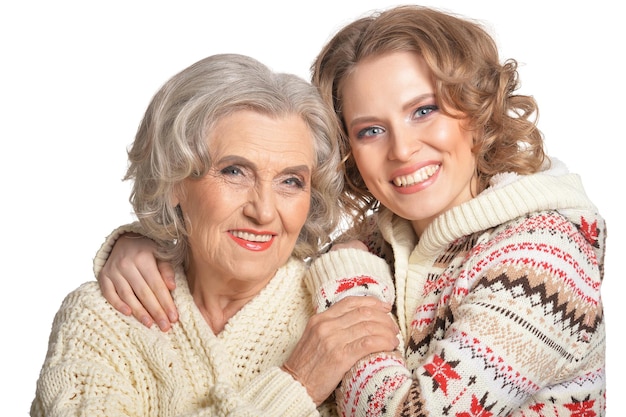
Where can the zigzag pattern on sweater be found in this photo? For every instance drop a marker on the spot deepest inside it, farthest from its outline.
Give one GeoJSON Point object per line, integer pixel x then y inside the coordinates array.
{"type": "Point", "coordinates": [556, 302]}
{"type": "Point", "coordinates": [526, 274]}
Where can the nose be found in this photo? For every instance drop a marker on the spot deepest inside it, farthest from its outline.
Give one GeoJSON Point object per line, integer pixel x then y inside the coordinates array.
{"type": "Point", "coordinates": [261, 205]}
{"type": "Point", "coordinates": [403, 144]}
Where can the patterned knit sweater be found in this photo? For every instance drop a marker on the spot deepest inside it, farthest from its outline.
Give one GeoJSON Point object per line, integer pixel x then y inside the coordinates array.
{"type": "Point", "coordinates": [102, 363]}
{"type": "Point", "coordinates": [498, 302]}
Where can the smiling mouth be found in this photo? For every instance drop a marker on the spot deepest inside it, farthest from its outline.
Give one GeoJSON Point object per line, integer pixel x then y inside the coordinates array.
{"type": "Point", "coordinates": [418, 176]}
{"type": "Point", "coordinates": [251, 237]}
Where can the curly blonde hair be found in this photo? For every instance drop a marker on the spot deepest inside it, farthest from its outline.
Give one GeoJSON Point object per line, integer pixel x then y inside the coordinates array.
{"type": "Point", "coordinates": [468, 77]}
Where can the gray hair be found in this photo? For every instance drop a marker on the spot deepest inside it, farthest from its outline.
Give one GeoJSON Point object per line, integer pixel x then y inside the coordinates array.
{"type": "Point", "coordinates": [171, 144]}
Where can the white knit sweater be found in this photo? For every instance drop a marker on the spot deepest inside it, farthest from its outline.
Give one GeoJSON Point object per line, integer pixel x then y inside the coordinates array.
{"type": "Point", "coordinates": [102, 363]}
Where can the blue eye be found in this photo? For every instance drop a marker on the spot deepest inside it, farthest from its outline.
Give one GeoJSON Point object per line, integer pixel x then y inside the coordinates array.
{"type": "Point", "coordinates": [295, 182]}
{"type": "Point", "coordinates": [370, 131]}
{"type": "Point", "coordinates": [231, 170]}
{"type": "Point", "coordinates": [423, 111]}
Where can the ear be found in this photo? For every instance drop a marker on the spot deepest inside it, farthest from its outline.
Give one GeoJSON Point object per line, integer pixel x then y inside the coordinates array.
{"type": "Point", "coordinates": [177, 191]}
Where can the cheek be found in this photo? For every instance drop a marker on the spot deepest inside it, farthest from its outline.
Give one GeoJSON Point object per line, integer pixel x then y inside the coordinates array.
{"type": "Point", "coordinates": [452, 137]}
{"type": "Point", "coordinates": [295, 214]}
{"type": "Point", "coordinates": [200, 222]}
{"type": "Point", "coordinates": [461, 148]}
{"type": "Point", "coordinates": [367, 162]}
{"type": "Point", "coordinates": [464, 148]}
{"type": "Point", "coordinates": [207, 208]}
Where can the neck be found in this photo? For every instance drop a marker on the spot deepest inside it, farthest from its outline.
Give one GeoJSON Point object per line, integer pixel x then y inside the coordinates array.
{"type": "Point", "coordinates": [219, 298]}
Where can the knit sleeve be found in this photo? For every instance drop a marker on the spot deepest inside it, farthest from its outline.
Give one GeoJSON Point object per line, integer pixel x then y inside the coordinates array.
{"type": "Point", "coordinates": [349, 272]}
{"type": "Point", "coordinates": [89, 368]}
{"type": "Point", "coordinates": [105, 250]}
{"type": "Point", "coordinates": [512, 327]}
{"type": "Point", "coordinates": [272, 393]}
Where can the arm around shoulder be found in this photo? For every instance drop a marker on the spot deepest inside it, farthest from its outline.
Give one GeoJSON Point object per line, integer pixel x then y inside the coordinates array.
{"type": "Point", "coordinates": [105, 250]}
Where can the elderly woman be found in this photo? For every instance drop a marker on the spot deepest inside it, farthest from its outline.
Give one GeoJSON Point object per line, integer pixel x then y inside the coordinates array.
{"type": "Point", "coordinates": [235, 178]}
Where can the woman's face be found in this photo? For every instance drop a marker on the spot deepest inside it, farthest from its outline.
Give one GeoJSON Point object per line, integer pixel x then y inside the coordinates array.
{"type": "Point", "coordinates": [244, 216]}
{"type": "Point", "coordinates": [414, 159]}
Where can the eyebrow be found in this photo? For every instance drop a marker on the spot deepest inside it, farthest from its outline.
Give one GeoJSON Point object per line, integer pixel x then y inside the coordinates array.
{"type": "Point", "coordinates": [414, 101]}
{"type": "Point", "coordinates": [418, 99]}
{"type": "Point", "coordinates": [296, 170]}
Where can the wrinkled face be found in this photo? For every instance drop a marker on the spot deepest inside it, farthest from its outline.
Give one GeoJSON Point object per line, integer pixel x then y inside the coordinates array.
{"type": "Point", "coordinates": [414, 159]}
{"type": "Point", "coordinates": [244, 216]}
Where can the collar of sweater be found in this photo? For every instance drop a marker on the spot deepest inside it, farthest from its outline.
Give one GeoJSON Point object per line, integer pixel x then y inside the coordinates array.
{"type": "Point", "coordinates": [508, 197]}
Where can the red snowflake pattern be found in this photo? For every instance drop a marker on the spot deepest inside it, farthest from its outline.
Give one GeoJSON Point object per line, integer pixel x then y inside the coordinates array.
{"type": "Point", "coordinates": [476, 410]}
{"type": "Point", "coordinates": [589, 231]}
{"type": "Point", "coordinates": [441, 371]}
{"type": "Point", "coordinates": [581, 408]}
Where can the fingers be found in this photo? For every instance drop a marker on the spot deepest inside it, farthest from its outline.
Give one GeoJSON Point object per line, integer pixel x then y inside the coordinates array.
{"type": "Point", "coordinates": [119, 290]}
{"type": "Point", "coordinates": [368, 305]}
{"type": "Point", "coordinates": [167, 272]}
{"type": "Point", "coordinates": [336, 339]}
{"type": "Point", "coordinates": [149, 297]}
{"type": "Point", "coordinates": [361, 325]}
{"type": "Point", "coordinates": [109, 292]}
{"type": "Point", "coordinates": [162, 292]}
{"type": "Point", "coordinates": [132, 278]}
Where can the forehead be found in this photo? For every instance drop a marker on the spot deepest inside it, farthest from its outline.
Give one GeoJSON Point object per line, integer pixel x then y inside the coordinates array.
{"type": "Point", "coordinates": [256, 136]}
{"type": "Point", "coordinates": [385, 82]}
{"type": "Point", "coordinates": [395, 69]}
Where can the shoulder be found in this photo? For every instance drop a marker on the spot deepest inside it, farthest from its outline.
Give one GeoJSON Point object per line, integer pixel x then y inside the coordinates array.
{"type": "Point", "coordinates": [538, 221]}
{"type": "Point", "coordinates": [86, 308]}
{"type": "Point", "coordinates": [536, 228]}
{"type": "Point", "coordinates": [87, 295]}
{"type": "Point", "coordinates": [548, 226]}
{"type": "Point", "coordinates": [546, 242]}
{"type": "Point", "coordinates": [87, 329]}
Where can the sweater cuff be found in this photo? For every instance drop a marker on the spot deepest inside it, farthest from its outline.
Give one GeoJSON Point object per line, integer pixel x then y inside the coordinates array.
{"type": "Point", "coordinates": [346, 272]}
{"type": "Point", "coordinates": [105, 250]}
{"type": "Point", "coordinates": [377, 384]}
{"type": "Point", "coordinates": [277, 393]}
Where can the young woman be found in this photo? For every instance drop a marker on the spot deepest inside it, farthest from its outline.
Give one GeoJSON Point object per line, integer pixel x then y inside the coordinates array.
{"type": "Point", "coordinates": [496, 250]}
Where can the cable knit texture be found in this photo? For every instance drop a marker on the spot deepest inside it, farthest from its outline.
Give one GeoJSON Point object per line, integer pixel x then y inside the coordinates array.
{"type": "Point", "coordinates": [101, 363]}
{"type": "Point", "coordinates": [499, 304]}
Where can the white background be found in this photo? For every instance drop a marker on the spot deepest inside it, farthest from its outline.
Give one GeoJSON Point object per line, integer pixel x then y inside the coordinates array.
{"type": "Point", "coordinates": [76, 78]}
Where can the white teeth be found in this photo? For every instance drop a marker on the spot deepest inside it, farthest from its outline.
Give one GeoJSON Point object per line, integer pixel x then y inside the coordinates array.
{"type": "Point", "coordinates": [251, 236]}
{"type": "Point", "coordinates": [416, 177]}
